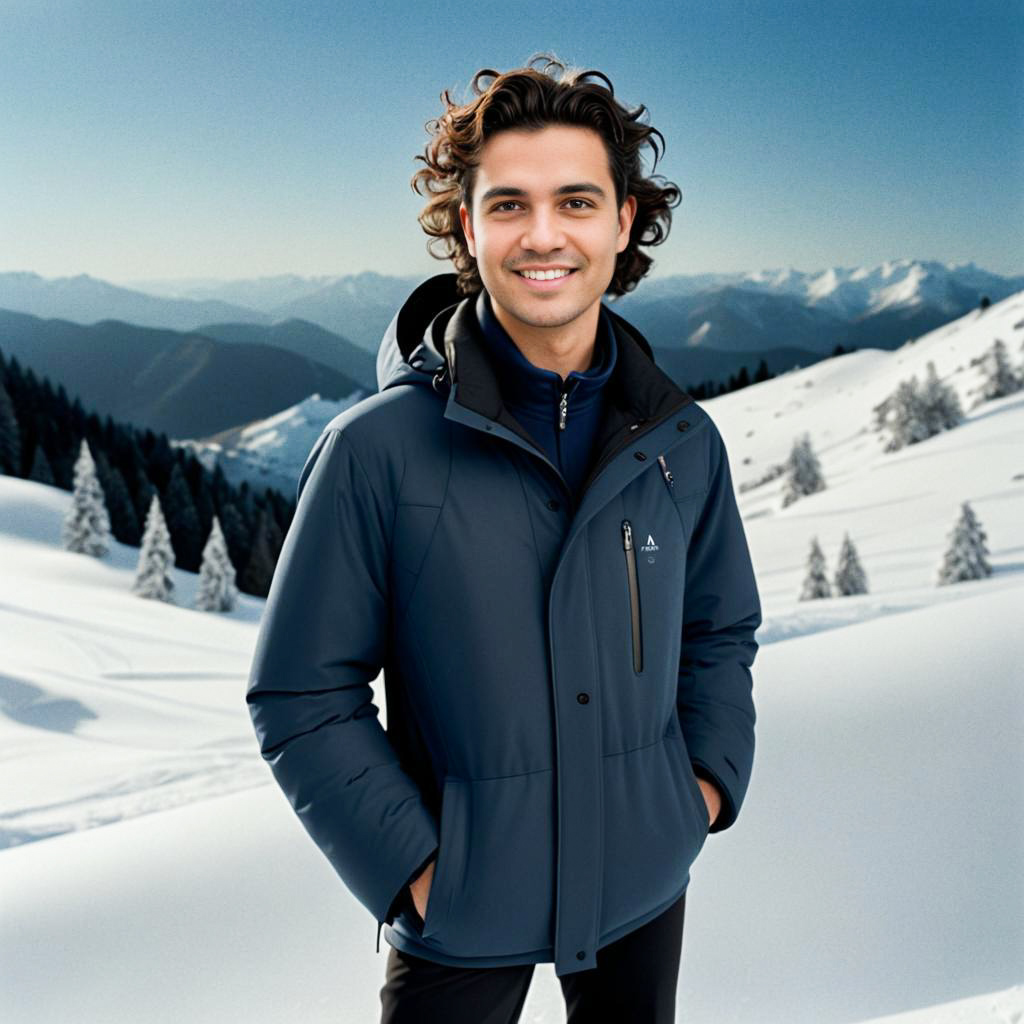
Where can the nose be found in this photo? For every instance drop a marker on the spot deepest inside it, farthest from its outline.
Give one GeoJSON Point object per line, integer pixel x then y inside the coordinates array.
{"type": "Point", "coordinates": [543, 232]}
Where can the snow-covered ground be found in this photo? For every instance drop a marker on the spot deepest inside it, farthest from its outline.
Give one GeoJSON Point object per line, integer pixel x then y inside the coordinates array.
{"type": "Point", "coordinates": [152, 871]}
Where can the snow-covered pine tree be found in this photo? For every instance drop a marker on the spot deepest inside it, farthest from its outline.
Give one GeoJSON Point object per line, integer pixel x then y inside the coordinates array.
{"type": "Point", "coordinates": [998, 376]}
{"type": "Point", "coordinates": [942, 408]}
{"type": "Point", "coordinates": [803, 472]}
{"type": "Point", "coordinates": [850, 577]}
{"type": "Point", "coordinates": [217, 591]}
{"type": "Point", "coordinates": [156, 557]}
{"type": "Point", "coordinates": [86, 527]}
{"type": "Point", "coordinates": [815, 582]}
{"type": "Point", "coordinates": [882, 412]}
{"type": "Point", "coordinates": [965, 555]}
{"type": "Point", "coordinates": [907, 421]}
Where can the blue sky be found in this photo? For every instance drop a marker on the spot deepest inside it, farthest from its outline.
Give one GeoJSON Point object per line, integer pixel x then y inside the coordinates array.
{"type": "Point", "coordinates": [180, 139]}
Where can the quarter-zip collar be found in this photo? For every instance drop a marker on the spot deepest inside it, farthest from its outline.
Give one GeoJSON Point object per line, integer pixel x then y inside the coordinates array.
{"type": "Point", "coordinates": [536, 392]}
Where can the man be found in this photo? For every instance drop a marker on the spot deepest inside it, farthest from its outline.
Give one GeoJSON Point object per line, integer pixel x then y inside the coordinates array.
{"type": "Point", "coordinates": [532, 531]}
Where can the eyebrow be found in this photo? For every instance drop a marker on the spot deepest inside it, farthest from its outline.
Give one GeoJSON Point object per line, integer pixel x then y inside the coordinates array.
{"type": "Point", "coordinates": [562, 190]}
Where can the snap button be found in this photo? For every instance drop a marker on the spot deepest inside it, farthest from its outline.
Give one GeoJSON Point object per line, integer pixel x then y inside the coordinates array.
{"type": "Point", "coordinates": [554, 504]}
{"type": "Point", "coordinates": [683, 424]}
{"type": "Point", "coordinates": [581, 955]}
{"type": "Point", "coordinates": [583, 698]}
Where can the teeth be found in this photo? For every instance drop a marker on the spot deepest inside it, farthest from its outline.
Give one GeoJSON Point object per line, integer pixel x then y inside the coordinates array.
{"type": "Point", "coordinates": [544, 275]}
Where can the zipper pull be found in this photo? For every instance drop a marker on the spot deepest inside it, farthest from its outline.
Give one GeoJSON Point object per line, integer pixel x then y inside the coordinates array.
{"type": "Point", "coordinates": [563, 409]}
{"type": "Point", "coordinates": [627, 535]}
{"type": "Point", "coordinates": [665, 471]}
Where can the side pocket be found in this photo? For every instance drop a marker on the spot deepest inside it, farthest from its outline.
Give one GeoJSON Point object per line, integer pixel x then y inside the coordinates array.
{"type": "Point", "coordinates": [689, 777]}
{"type": "Point", "coordinates": [450, 856]}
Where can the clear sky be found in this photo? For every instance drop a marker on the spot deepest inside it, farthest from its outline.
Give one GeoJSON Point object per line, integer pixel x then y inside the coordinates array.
{"type": "Point", "coordinates": [234, 139]}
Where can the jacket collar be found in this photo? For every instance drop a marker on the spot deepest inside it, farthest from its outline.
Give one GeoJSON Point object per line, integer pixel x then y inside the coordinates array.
{"type": "Point", "coordinates": [640, 393]}
{"type": "Point", "coordinates": [532, 389]}
{"type": "Point", "coordinates": [435, 340]}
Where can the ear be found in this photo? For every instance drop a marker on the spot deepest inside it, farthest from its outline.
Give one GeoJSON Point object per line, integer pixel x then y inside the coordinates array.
{"type": "Point", "coordinates": [626, 215]}
{"type": "Point", "coordinates": [467, 229]}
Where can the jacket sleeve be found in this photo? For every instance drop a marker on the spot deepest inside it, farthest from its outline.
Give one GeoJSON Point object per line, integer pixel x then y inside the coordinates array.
{"type": "Point", "coordinates": [321, 642]}
{"type": "Point", "coordinates": [722, 611]}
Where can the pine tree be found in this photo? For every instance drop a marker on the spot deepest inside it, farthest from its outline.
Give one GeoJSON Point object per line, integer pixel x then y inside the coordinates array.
{"type": "Point", "coordinates": [999, 377]}
{"type": "Point", "coordinates": [907, 419]}
{"type": "Point", "coordinates": [236, 536]}
{"type": "Point", "coordinates": [123, 521]}
{"type": "Point", "coordinates": [803, 472]}
{"type": "Point", "coordinates": [882, 412]}
{"type": "Point", "coordinates": [965, 555]}
{"type": "Point", "coordinates": [217, 590]}
{"type": "Point", "coordinates": [86, 527]}
{"type": "Point", "coordinates": [815, 582]}
{"type": "Point", "coordinates": [41, 470]}
{"type": "Point", "coordinates": [259, 569]}
{"type": "Point", "coordinates": [10, 435]}
{"type": "Point", "coordinates": [850, 577]}
{"type": "Point", "coordinates": [942, 409]}
{"type": "Point", "coordinates": [156, 557]}
{"type": "Point", "coordinates": [182, 519]}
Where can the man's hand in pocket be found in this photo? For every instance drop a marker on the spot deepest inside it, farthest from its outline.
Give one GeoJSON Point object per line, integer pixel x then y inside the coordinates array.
{"type": "Point", "coordinates": [420, 889]}
{"type": "Point", "coordinates": [711, 797]}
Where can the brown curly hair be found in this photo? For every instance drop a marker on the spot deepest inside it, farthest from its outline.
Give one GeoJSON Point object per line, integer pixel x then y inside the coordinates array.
{"type": "Point", "coordinates": [526, 98]}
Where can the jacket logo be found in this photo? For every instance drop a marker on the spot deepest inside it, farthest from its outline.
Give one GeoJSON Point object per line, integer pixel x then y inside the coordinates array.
{"type": "Point", "coordinates": [650, 545]}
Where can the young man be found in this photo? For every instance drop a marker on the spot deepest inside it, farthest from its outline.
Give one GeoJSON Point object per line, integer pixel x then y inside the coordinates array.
{"type": "Point", "coordinates": [532, 531]}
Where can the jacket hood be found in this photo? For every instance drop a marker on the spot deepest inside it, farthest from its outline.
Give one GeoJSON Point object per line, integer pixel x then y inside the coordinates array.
{"type": "Point", "coordinates": [413, 348]}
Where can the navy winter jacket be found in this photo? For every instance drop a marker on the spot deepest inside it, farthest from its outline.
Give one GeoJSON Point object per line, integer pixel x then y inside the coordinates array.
{"type": "Point", "coordinates": [556, 669]}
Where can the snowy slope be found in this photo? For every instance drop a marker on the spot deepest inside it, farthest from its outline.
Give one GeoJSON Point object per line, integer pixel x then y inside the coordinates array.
{"type": "Point", "coordinates": [898, 507]}
{"type": "Point", "coordinates": [876, 867]}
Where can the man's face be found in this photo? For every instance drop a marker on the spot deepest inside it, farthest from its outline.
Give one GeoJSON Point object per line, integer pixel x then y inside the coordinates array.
{"type": "Point", "coordinates": [546, 199]}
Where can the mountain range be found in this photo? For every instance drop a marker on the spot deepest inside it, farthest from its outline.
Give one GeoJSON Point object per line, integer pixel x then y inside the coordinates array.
{"type": "Point", "coordinates": [197, 357]}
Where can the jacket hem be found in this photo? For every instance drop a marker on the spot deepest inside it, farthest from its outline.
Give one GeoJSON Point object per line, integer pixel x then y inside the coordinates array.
{"type": "Point", "coordinates": [398, 937]}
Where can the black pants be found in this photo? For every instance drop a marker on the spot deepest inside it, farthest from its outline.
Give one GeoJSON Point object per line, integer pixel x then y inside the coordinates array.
{"type": "Point", "coordinates": [634, 982]}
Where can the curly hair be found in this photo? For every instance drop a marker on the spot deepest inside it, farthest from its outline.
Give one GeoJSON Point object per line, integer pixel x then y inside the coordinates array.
{"type": "Point", "coordinates": [526, 98]}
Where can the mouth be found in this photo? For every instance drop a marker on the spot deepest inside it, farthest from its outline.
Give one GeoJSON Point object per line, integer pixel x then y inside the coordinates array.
{"type": "Point", "coordinates": [545, 284]}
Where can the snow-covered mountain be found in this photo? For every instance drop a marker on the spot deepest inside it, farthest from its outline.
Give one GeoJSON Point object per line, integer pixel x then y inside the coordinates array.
{"type": "Point", "coordinates": [85, 300]}
{"type": "Point", "coordinates": [742, 312]}
{"type": "Point", "coordinates": [875, 868]}
{"type": "Point", "coordinates": [852, 292]}
{"type": "Point", "coordinates": [272, 451]}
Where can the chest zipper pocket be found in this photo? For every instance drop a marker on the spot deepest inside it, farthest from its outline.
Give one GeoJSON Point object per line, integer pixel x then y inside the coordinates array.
{"type": "Point", "coordinates": [634, 595]}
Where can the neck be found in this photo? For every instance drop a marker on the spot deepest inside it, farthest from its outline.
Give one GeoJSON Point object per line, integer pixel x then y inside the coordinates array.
{"type": "Point", "coordinates": [561, 349]}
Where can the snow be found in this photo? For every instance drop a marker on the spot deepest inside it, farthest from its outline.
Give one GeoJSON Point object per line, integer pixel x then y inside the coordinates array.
{"type": "Point", "coordinates": [270, 452]}
{"type": "Point", "coordinates": [151, 870]}
{"type": "Point", "coordinates": [900, 284]}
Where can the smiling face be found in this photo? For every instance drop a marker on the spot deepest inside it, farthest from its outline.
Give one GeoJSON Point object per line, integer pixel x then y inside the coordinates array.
{"type": "Point", "coordinates": [546, 198]}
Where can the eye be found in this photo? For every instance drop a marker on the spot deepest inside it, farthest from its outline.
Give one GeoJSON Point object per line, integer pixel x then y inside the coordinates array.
{"type": "Point", "coordinates": [507, 202]}
{"type": "Point", "coordinates": [585, 202]}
